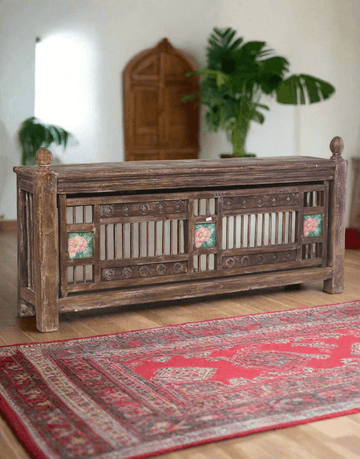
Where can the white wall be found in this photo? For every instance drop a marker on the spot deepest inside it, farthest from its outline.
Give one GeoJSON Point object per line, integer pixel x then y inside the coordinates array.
{"type": "Point", "coordinates": [320, 38]}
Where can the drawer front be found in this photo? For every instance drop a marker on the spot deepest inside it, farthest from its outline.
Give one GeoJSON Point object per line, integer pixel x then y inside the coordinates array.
{"type": "Point", "coordinates": [137, 239]}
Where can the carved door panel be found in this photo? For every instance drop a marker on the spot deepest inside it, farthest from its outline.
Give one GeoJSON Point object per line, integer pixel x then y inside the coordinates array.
{"type": "Point", "coordinates": [157, 124]}
{"type": "Point", "coordinates": [120, 241]}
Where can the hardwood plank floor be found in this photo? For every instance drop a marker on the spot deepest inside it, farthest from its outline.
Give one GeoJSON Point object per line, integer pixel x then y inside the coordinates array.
{"type": "Point", "coordinates": [337, 438]}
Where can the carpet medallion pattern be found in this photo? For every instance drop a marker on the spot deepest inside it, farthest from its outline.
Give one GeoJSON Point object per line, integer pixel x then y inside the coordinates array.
{"type": "Point", "coordinates": [142, 393]}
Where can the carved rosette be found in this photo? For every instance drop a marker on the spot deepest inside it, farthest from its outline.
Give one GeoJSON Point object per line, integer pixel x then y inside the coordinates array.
{"type": "Point", "coordinates": [126, 273]}
{"type": "Point", "coordinates": [144, 208]}
{"type": "Point", "coordinates": [230, 262]}
{"type": "Point", "coordinates": [108, 210]}
{"type": "Point", "coordinates": [144, 271]}
{"type": "Point", "coordinates": [274, 200]}
{"type": "Point", "coordinates": [126, 209]}
{"type": "Point", "coordinates": [245, 260]}
{"type": "Point", "coordinates": [109, 274]}
{"type": "Point", "coordinates": [259, 201]}
{"type": "Point", "coordinates": [228, 203]}
{"type": "Point", "coordinates": [178, 267]}
{"type": "Point", "coordinates": [161, 207]}
{"type": "Point", "coordinates": [179, 206]}
{"type": "Point", "coordinates": [161, 269]}
{"type": "Point", "coordinates": [260, 259]}
{"type": "Point", "coordinates": [289, 198]}
{"type": "Point", "coordinates": [275, 258]}
{"type": "Point", "coordinates": [244, 203]}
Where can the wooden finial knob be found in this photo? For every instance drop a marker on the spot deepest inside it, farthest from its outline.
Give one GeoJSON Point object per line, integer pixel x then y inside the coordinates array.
{"type": "Point", "coordinates": [336, 147]}
{"type": "Point", "coordinates": [43, 157]}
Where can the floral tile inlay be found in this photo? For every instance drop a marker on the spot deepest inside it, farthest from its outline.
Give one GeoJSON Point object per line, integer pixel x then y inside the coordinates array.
{"type": "Point", "coordinates": [80, 245]}
{"type": "Point", "coordinates": [313, 225]}
{"type": "Point", "coordinates": [205, 235]}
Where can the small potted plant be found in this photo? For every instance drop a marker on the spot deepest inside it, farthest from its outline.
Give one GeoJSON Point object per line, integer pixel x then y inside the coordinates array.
{"type": "Point", "coordinates": [33, 135]}
{"type": "Point", "coordinates": [236, 77]}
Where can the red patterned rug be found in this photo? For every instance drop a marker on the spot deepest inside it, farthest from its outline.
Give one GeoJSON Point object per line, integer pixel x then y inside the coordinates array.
{"type": "Point", "coordinates": [142, 393]}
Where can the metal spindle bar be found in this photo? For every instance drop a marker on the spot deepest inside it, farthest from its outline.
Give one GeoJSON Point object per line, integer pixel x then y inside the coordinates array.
{"type": "Point", "coordinates": [256, 230]}
{"type": "Point", "coordinates": [270, 228]}
{"type": "Point", "coordinates": [227, 234]}
{"type": "Point", "coordinates": [113, 241]}
{"type": "Point", "coordinates": [131, 240]}
{"type": "Point", "coordinates": [284, 218]}
{"type": "Point", "coordinates": [263, 229]}
{"type": "Point", "coordinates": [148, 241]}
{"type": "Point", "coordinates": [155, 238]}
{"type": "Point", "coordinates": [290, 237]}
{"type": "Point", "coordinates": [248, 231]}
{"type": "Point", "coordinates": [106, 243]}
{"type": "Point", "coordinates": [277, 233]}
{"type": "Point", "coordinates": [178, 236]}
{"type": "Point", "coordinates": [242, 225]}
{"type": "Point", "coordinates": [171, 235]}
{"type": "Point", "coordinates": [122, 240]}
{"type": "Point", "coordinates": [138, 225]}
{"type": "Point", "coordinates": [234, 231]}
{"type": "Point", "coordinates": [163, 237]}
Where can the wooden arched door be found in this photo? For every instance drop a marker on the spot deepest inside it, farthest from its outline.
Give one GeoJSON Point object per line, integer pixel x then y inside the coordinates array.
{"type": "Point", "coordinates": [157, 124]}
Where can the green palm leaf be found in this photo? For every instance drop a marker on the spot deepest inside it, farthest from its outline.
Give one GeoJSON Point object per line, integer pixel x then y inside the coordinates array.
{"type": "Point", "coordinates": [32, 135]}
{"type": "Point", "coordinates": [238, 74]}
{"type": "Point", "coordinates": [300, 89]}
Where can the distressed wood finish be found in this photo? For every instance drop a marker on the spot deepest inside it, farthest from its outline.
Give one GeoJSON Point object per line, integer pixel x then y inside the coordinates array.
{"type": "Point", "coordinates": [157, 124]}
{"type": "Point", "coordinates": [355, 200]}
{"type": "Point", "coordinates": [46, 255]}
{"type": "Point", "coordinates": [337, 219]}
{"type": "Point", "coordinates": [175, 229]}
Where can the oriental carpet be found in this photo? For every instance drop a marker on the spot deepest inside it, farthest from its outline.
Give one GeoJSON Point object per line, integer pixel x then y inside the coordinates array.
{"type": "Point", "coordinates": [142, 393]}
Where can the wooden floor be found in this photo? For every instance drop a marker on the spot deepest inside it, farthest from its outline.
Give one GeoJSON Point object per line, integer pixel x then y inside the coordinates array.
{"type": "Point", "coordinates": [331, 439]}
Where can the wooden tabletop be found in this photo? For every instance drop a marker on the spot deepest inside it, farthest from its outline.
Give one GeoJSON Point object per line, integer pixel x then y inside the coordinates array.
{"type": "Point", "coordinates": [188, 167]}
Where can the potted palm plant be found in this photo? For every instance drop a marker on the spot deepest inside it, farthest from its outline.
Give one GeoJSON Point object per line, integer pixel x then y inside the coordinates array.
{"type": "Point", "coordinates": [33, 135]}
{"type": "Point", "coordinates": [237, 75]}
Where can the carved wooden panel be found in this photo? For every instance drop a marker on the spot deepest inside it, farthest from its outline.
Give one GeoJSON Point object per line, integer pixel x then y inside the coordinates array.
{"type": "Point", "coordinates": [115, 241]}
{"type": "Point", "coordinates": [157, 124]}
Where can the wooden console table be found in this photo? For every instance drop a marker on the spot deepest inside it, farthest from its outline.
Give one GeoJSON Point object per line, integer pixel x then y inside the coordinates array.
{"type": "Point", "coordinates": [98, 235]}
